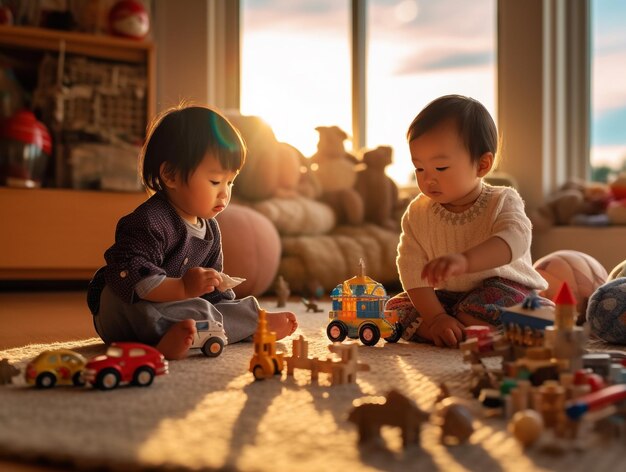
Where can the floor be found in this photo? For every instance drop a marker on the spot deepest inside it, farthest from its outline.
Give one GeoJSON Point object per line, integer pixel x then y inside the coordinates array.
{"type": "Point", "coordinates": [41, 317]}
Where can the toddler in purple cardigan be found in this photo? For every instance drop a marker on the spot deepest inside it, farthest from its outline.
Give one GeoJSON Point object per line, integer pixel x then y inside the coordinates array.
{"type": "Point", "coordinates": [164, 270]}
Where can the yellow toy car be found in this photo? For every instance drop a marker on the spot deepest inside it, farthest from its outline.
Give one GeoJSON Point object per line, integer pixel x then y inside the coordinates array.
{"type": "Point", "coordinates": [358, 311]}
{"type": "Point", "coordinates": [60, 366]}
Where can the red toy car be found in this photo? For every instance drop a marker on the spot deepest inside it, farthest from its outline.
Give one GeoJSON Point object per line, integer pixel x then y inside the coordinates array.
{"type": "Point", "coordinates": [125, 362]}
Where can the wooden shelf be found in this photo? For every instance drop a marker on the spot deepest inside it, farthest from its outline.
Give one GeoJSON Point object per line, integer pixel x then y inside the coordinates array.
{"type": "Point", "coordinates": [56, 233]}
{"type": "Point", "coordinates": [105, 47]}
{"type": "Point", "coordinates": [95, 46]}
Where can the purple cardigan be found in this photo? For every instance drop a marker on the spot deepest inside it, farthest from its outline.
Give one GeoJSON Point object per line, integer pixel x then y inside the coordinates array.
{"type": "Point", "coordinates": [153, 240]}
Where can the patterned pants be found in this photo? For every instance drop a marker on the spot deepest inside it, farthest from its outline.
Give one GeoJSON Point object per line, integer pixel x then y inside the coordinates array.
{"type": "Point", "coordinates": [484, 302]}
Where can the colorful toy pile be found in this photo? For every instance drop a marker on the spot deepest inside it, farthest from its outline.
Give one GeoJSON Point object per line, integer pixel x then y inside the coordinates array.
{"type": "Point", "coordinates": [547, 382]}
{"type": "Point", "coordinates": [547, 386]}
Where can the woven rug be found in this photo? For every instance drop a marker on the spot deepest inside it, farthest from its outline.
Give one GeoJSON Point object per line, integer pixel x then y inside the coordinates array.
{"type": "Point", "coordinates": [209, 414]}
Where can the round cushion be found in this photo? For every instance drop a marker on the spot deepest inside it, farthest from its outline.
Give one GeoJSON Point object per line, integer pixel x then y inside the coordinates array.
{"type": "Point", "coordinates": [583, 274]}
{"type": "Point", "coordinates": [618, 271]}
{"type": "Point", "coordinates": [251, 247]}
{"type": "Point", "coordinates": [606, 312]}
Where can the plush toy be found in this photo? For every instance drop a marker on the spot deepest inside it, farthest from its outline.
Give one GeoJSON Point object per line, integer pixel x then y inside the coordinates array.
{"type": "Point", "coordinates": [251, 247]}
{"type": "Point", "coordinates": [272, 168]}
{"type": "Point", "coordinates": [378, 191]}
{"type": "Point", "coordinates": [297, 215]}
{"type": "Point", "coordinates": [335, 170]}
{"type": "Point", "coordinates": [616, 212]}
{"type": "Point", "coordinates": [618, 271]}
{"type": "Point", "coordinates": [607, 311]}
{"type": "Point", "coordinates": [582, 273]}
{"type": "Point", "coordinates": [618, 186]}
{"type": "Point", "coordinates": [586, 202]}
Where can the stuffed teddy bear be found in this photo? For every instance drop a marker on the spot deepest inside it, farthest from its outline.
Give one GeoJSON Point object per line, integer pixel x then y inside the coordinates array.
{"type": "Point", "coordinates": [582, 203]}
{"type": "Point", "coordinates": [272, 169]}
{"type": "Point", "coordinates": [378, 191]}
{"type": "Point", "coordinates": [335, 170]}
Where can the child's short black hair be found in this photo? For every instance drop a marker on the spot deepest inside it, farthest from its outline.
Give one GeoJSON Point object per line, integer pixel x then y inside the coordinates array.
{"type": "Point", "coordinates": [181, 137]}
{"type": "Point", "coordinates": [475, 124]}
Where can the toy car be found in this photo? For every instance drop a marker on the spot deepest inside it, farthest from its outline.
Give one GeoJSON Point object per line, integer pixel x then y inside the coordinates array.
{"type": "Point", "coordinates": [125, 362]}
{"type": "Point", "coordinates": [358, 311]}
{"type": "Point", "coordinates": [60, 366]}
{"type": "Point", "coordinates": [210, 337]}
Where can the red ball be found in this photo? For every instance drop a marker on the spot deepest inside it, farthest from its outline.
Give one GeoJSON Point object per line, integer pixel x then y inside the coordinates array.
{"type": "Point", "coordinates": [129, 18]}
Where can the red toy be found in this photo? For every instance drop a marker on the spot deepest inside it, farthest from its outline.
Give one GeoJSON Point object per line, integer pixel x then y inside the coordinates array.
{"type": "Point", "coordinates": [25, 147]}
{"type": "Point", "coordinates": [130, 19]}
{"type": "Point", "coordinates": [125, 362]}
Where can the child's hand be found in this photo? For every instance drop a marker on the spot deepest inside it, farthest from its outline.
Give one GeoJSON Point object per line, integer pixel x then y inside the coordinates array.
{"type": "Point", "coordinates": [198, 281]}
{"type": "Point", "coordinates": [445, 330]}
{"type": "Point", "coordinates": [442, 268]}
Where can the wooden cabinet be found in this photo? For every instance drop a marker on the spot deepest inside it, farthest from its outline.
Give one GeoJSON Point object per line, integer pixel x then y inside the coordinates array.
{"type": "Point", "coordinates": [62, 233]}
{"type": "Point", "coordinates": [58, 233]}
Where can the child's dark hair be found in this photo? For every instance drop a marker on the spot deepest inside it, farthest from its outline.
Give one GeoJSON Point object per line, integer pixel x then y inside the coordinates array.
{"type": "Point", "coordinates": [181, 137]}
{"type": "Point", "coordinates": [474, 123]}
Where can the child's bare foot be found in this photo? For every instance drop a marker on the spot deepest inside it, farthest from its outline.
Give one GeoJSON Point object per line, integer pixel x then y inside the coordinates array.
{"type": "Point", "coordinates": [176, 342]}
{"type": "Point", "coordinates": [283, 323]}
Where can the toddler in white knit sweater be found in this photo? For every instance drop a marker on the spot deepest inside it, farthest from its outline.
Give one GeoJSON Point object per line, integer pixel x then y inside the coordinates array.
{"type": "Point", "coordinates": [464, 252]}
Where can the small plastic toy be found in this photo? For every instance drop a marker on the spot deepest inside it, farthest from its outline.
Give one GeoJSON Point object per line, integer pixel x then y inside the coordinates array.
{"type": "Point", "coordinates": [7, 372]}
{"type": "Point", "coordinates": [210, 337]}
{"type": "Point", "coordinates": [397, 410]}
{"type": "Point", "coordinates": [524, 324]}
{"type": "Point", "coordinates": [311, 306]}
{"type": "Point", "coordinates": [125, 362]}
{"type": "Point", "coordinates": [266, 361]}
{"type": "Point", "coordinates": [358, 311]}
{"type": "Point", "coordinates": [281, 287]}
{"type": "Point", "coordinates": [60, 366]}
{"type": "Point", "coordinates": [596, 400]}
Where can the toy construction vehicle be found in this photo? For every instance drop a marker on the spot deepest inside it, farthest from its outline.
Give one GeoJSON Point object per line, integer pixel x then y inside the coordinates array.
{"type": "Point", "coordinates": [265, 361]}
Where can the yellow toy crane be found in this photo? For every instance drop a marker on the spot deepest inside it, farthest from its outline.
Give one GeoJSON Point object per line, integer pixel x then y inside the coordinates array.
{"type": "Point", "coordinates": [265, 361]}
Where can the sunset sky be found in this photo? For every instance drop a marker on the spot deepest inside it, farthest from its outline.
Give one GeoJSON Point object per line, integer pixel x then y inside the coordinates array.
{"type": "Point", "coordinates": [296, 67]}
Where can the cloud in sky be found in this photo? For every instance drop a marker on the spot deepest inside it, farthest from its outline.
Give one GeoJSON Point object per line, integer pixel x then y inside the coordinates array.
{"type": "Point", "coordinates": [297, 17]}
{"type": "Point", "coordinates": [438, 60]}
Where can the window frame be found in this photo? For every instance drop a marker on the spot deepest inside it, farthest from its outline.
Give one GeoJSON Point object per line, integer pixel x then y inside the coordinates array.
{"type": "Point", "coordinates": [543, 85]}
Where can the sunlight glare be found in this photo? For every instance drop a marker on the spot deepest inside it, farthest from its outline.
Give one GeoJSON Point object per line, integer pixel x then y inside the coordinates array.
{"type": "Point", "coordinates": [406, 11]}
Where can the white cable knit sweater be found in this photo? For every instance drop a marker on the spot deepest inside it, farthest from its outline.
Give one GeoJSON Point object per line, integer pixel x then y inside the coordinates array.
{"type": "Point", "coordinates": [430, 231]}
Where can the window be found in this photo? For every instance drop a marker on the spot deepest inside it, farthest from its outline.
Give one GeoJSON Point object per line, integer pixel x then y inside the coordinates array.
{"type": "Point", "coordinates": [296, 65]}
{"type": "Point", "coordinates": [608, 92]}
{"type": "Point", "coordinates": [418, 51]}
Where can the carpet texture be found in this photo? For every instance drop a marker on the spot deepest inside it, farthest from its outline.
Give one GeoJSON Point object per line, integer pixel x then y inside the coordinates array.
{"type": "Point", "coordinates": [210, 414]}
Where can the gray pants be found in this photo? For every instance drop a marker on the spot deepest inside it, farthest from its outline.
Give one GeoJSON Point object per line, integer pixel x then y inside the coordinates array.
{"type": "Point", "coordinates": [146, 322]}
